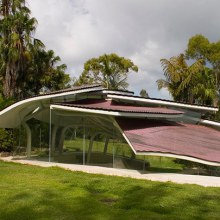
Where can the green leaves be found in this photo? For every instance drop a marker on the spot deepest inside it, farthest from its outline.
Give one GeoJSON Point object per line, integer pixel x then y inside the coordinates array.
{"type": "Point", "coordinates": [25, 66]}
{"type": "Point", "coordinates": [198, 47]}
{"type": "Point", "coordinates": [199, 82]}
{"type": "Point", "coordinates": [110, 70]}
{"type": "Point", "coordinates": [187, 83]}
{"type": "Point", "coordinates": [6, 140]}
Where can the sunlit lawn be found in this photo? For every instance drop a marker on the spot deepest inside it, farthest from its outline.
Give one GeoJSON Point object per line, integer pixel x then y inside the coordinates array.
{"type": "Point", "coordinates": [29, 192]}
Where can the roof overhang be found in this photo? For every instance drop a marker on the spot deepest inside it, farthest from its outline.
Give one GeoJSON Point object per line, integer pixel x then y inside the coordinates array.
{"type": "Point", "coordinates": [114, 113]}
{"type": "Point", "coordinates": [161, 138]}
{"type": "Point", "coordinates": [14, 115]}
{"type": "Point", "coordinates": [161, 102]}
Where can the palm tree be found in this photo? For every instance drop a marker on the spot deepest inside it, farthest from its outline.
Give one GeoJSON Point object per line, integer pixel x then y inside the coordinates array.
{"type": "Point", "coordinates": [180, 78]}
{"type": "Point", "coordinates": [205, 90]}
{"type": "Point", "coordinates": [16, 27]}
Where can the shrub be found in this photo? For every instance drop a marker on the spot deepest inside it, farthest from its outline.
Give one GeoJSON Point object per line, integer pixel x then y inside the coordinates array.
{"type": "Point", "coordinates": [6, 140]}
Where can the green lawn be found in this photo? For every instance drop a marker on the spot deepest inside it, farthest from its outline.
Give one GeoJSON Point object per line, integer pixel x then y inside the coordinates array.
{"type": "Point", "coordinates": [29, 192]}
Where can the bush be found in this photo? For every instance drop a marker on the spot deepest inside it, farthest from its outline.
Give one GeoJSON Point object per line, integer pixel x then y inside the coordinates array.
{"type": "Point", "coordinates": [6, 140]}
{"type": "Point", "coordinates": [5, 102]}
{"type": "Point", "coordinates": [6, 135]}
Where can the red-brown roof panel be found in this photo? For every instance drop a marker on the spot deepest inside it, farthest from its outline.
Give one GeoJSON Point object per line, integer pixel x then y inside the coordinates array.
{"type": "Point", "coordinates": [172, 138]}
{"type": "Point", "coordinates": [108, 105]}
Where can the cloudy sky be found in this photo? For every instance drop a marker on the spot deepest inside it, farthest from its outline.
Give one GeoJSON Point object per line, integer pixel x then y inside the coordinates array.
{"type": "Point", "coordinates": [142, 30]}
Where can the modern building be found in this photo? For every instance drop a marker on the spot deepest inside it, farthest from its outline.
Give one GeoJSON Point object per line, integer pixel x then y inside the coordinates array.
{"type": "Point", "coordinates": [93, 125]}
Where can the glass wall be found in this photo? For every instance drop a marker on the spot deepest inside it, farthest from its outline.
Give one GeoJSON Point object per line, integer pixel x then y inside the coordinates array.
{"type": "Point", "coordinates": [92, 140]}
{"type": "Point", "coordinates": [39, 140]}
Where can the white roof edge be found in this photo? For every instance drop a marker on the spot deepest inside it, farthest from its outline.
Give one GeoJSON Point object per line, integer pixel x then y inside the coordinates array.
{"type": "Point", "coordinates": [107, 91]}
{"type": "Point", "coordinates": [49, 96]}
{"type": "Point", "coordinates": [161, 102]}
{"type": "Point", "coordinates": [114, 113]}
{"type": "Point", "coordinates": [123, 134]}
{"type": "Point", "coordinates": [212, 123]}
{"type": "Point", "coordinates": [179, 157]}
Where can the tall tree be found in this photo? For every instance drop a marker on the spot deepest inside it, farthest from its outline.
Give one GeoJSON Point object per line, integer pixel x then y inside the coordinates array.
{"type": "Point", "coordinates": [110, 70]}
{"type": "Point", "coordinates": [181, 79]}
{"type": "Point", "coordinates": [16, 27]}
{"type": "Point", "coordinates": [44, 72]}
{"type": "Point", "coordinates": [200, 47]}
{"type": "Point", "coordinates": [204, 89]}
{"type": "Point", "coordinates": [25, 66]}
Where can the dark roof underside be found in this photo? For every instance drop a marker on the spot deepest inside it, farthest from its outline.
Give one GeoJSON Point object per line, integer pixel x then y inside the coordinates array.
{"type": "Point", "coordinates": [172, 138]}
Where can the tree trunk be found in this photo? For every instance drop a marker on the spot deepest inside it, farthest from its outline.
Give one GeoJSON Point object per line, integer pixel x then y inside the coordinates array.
{"type": "Point", "coordinates": [10, 81]}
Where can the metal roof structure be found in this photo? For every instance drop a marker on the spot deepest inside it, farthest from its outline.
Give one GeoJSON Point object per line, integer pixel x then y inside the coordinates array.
{"type": "Point", "coordinates": [156, 137]}
{"type": "Point", "coordinates": [162, 102]}
{"type": "Point", "coordinates": [150, 126]}
{"type": "Point", "coordinates": [110, 107]}
{"type": "Point", "coordinates": [15, 114]}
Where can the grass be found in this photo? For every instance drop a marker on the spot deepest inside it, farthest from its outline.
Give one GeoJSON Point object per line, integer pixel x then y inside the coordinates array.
{"type": "Point", "coordinates": [157, 164]}
{"type": "Point", "coordinates": [29, 192]}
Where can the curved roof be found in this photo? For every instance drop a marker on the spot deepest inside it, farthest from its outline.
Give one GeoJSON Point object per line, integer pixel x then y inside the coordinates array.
{"type": "Point", "coordinates": [110, 107]}
{"type": "Point", "coordinates": [12, 116]}
{"type": "Point", "coordinates": [148, 137]}
{"type": "Point", "coordinates": [161, 102]}
{"type": "Point", "coordinates": [155, 137]}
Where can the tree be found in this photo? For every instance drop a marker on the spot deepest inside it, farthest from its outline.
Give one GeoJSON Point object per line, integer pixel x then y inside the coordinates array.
{"type": "Point", "coordinates": [109, 70]}
{"type": "Point", "coordinates": [44, 73]}
{"type": "Point", "coordinates": [25, 66]}
{"type": "Point", "coordinates": [204, 89]}
{"type": "Point", "coordinates": [6, 140]}
{"type": "Point", "coordinates": [181, 78]}
{"type": "Point", "coordinates": [16, 28]}
{"type": "Point", "coordinates": [200, 47]}
{"type": "Point", "coordinates": [143, 93]}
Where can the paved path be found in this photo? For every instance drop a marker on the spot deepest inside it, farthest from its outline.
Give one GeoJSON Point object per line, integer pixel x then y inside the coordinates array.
{"type": "Point", "coordinates": [163, 177]}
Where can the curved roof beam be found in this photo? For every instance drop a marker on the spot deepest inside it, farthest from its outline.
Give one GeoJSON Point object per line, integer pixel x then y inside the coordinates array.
{"type": "Point", "coordinates": [116, 113]}
{"type": "Point", "coordinates": [12, 116]}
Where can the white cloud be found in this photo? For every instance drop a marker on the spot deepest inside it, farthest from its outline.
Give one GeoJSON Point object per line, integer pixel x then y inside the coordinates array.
{"type": "Point", "coordinates": [144, 31]}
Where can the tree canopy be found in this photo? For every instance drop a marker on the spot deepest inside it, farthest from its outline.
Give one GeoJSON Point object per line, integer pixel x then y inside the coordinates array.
{"type": "Point", "coordinates": [143, 93]}
{"type": "Point", "coordinates": [25, 65]}
{"type": "Point", "coordinates": [198, 82]}
{"type": "Point", "coordinates": [199, 47]}
{"type": "Point", "coordinates": [109, 70]}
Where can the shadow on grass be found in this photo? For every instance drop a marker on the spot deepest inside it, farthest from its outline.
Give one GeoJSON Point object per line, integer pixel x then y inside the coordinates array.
{"type": "Point", "coordinates": [52, 193]}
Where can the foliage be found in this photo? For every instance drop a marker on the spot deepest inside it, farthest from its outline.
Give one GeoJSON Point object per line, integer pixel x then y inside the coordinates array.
{"type": "Point", "coordinates": [143, 93]}
{"type": "Point", "coordinates": [40, 133]}
{"type": "Point", "coordinates": [187, 83]}
{"type": "Point", "coordinates": [6, 140]}
{"type": "Point", "coordinates": [110, 70]}
{"type": "Point", "coordinates": [44, 73]}
{"type": "Point", "coordinates": [5, 102]}
{"type": "Point", "coordinates": [26, 67]}
{"type": "Point", "coordinates": [54, 193]}
{"type": "Point", "coordinates": [198, 83]}
{"type": "Point", "coordinates": [200, 47]}
{"type": "Point", "coordinates": [6, 135]}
